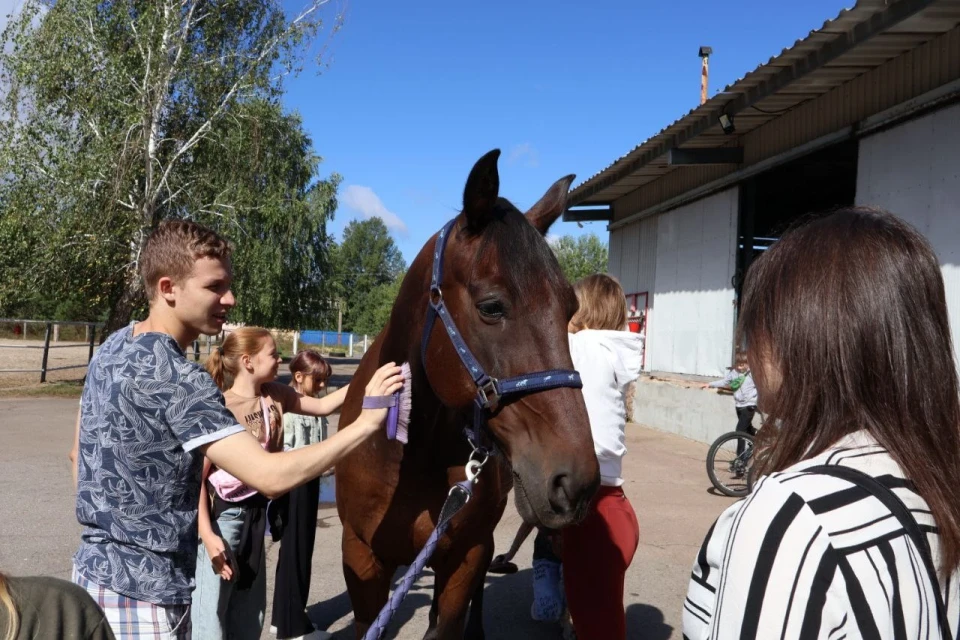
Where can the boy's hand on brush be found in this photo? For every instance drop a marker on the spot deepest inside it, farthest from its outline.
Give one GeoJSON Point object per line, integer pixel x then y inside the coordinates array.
{"type": "Point", "coordinates": [386, 381]}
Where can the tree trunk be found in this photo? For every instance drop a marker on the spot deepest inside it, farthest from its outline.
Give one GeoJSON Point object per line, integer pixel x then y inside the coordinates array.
{"type": "Point", "coordinates": [130, 299]}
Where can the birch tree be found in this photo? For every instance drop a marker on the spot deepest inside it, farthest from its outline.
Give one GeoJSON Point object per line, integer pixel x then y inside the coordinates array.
{"type": "Point", "coordinates": [120, 113]}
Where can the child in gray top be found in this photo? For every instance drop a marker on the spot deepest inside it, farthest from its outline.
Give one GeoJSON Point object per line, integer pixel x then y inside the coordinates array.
{"type": "Point", "coordinates": [740, 381]}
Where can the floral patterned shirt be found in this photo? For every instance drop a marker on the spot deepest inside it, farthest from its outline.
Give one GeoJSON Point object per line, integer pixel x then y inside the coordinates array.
{"type": "Point", "coordinates": [145, 409]}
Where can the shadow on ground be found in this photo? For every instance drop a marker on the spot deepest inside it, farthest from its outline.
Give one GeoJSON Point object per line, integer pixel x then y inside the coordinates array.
{"type": "Point", "coordinates": [645, 621]}
{"type": "Point", "coordinates": [506, 605]}
{"type": "Point", "coordinates": [326, 613]}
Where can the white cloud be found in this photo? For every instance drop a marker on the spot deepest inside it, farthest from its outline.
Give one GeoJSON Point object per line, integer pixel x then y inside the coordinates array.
{"type": "Point", "coordinates": [368, 204]}
{"type": "Point", "coordinates": [524, 153]}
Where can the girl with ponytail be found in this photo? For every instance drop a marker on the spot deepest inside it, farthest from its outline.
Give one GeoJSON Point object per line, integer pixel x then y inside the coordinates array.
{"type": "Point", "coordinates": [230, 595]}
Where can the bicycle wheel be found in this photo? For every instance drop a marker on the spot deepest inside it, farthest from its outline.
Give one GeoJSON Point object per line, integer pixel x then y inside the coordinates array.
{"type": "Point", "coordinates": [729, 471]}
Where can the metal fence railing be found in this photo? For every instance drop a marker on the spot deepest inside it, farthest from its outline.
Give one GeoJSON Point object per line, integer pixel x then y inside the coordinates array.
{"type": "Point", "coordinates": [23, 340]}
{"type": "Point", "coordinates": [53, 332]}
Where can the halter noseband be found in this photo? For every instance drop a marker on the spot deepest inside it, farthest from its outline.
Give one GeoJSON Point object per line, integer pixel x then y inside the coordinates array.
{"type": "Point", "coordinates": [490, 390]}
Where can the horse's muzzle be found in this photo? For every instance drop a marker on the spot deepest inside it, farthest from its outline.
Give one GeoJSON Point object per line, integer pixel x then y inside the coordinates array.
{"type": "Point", "coordinates": [570, 498]}
{"type": "Point", "coordinates": [559, 500]}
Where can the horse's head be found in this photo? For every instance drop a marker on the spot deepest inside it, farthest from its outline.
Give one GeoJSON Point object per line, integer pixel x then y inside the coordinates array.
{"type": "Point", "coordinates": [511, 303]}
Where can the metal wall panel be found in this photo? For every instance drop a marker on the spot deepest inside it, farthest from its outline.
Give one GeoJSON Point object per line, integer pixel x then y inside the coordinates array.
{"type": "Point", "coordinates": [633, 260]}
{"type": "Point", "coordinates": [691, 327]}
{"type": "Point", "coordinates": [647, 272]}
{"type": "Point", "coordinates": [630, 258]}
{"type": "Point", "coordinates": [913, 170]}
{"type": "Point", "coordinates": [615, 250]}
{"type": "Point", "coordinates": [633, 255]}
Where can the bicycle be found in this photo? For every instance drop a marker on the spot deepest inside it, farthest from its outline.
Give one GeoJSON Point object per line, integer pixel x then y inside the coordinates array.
{"type": "Point", "coordinates": [731, 472]}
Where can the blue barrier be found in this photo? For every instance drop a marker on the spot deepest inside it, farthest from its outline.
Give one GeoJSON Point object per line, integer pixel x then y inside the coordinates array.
{"type": "Point", "coordinates": [325, 337]}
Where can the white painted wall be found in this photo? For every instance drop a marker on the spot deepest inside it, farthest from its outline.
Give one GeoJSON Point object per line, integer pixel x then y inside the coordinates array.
{"type": "Point", "coordinates": [913, 171]}
{"type": "Point", "coordinates": [633, 258]}
{"type": "Point", "coordinates": [692, 322]}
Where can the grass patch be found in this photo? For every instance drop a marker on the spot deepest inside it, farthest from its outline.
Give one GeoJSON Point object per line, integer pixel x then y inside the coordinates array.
{"type": "Point", "coordinates": [72, 389]}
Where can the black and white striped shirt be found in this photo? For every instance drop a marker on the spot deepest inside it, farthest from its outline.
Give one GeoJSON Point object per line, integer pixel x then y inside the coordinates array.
{"type": "Point", "coordinates": [809, 556]}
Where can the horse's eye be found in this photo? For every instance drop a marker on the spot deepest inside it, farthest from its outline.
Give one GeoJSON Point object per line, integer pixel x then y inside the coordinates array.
{"type": "Point", "coordinates": [492, 310]}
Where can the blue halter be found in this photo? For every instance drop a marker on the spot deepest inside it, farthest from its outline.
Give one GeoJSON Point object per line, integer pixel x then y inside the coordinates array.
{"type": "Point", "coordinates": [490, 390]}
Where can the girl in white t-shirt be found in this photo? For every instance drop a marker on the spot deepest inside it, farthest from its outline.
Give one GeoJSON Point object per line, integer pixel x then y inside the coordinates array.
{"type": "Point", "coordinates": [598, 551]}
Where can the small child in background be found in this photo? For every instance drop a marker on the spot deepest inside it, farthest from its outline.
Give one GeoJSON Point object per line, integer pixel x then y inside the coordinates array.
{"type": "Point", "coordinates": [549, 602]}
{"type": "Point", "coordinates": [310, 375]}
{"type": "Point", "coordinates": [740, 381]}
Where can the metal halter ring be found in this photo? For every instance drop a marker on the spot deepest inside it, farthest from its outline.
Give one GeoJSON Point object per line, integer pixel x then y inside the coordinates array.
{"type": "Point", "coordinates": [482, 453]}
{"type": "Point", "coordinates": [473, 470]}
{"type": "Point", "coordinates": [475, 466]}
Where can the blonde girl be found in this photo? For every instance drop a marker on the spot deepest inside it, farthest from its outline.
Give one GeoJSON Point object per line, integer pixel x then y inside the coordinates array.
{"type": "Point", "coordinates": [608, 358]}
{"type": "Point", "coordinates": [230, 595]}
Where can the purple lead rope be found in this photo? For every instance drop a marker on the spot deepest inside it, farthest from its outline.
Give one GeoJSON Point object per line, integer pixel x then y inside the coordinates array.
{"type": "Point", "coordinates": [459, 496]}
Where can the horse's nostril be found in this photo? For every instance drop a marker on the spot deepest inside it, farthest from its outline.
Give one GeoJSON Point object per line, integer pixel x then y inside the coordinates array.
{"type": "Point", "coordinates": [561, 494]}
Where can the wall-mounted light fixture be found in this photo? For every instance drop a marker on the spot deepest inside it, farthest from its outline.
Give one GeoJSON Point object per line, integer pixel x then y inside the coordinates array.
{"type": "Point", "coordinates": [726, 123]}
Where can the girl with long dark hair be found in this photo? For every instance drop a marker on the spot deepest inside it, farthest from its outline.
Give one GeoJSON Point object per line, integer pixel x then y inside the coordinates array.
{"type": "Point", "coordinates": [845, 319]}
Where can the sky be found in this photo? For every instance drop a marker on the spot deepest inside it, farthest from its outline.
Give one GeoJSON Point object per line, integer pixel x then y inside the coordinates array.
{"type": "Point", "coordinates": [414, 93]}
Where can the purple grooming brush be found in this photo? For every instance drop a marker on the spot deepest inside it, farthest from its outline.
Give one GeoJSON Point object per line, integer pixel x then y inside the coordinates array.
{"type": "Point", "coordinates": [397, 406]}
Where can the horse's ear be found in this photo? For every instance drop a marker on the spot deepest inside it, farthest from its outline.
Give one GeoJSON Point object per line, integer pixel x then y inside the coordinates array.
{"type": "Point", "coordinates": [551, 205]}
{"type": "Point", "coordinates": [480, 194]}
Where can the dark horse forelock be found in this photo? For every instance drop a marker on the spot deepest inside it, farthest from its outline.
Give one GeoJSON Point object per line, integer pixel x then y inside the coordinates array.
{"type": "Point", "coordinates": [529, 260]}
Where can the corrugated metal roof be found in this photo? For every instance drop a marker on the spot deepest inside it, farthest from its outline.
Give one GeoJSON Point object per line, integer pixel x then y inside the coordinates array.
{"type": "Point", "coordinates": [856, 41]}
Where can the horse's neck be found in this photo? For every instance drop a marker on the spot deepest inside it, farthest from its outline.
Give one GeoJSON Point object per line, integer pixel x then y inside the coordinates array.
{"type": "Point", "coordinates": [435, 430]}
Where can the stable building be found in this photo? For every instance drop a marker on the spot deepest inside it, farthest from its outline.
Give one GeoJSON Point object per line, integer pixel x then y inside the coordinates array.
{"type": "Point", "coordinates": [865, 110]}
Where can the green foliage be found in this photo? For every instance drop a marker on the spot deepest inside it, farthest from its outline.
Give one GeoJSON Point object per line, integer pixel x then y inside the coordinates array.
{"type": "Point", "coordinates": [375, 308]}
{"type": "Point", "coordinates": [580, 257]}
{"type": "Point", "coordinates": [366, 261]}
{"type": "Point", "coordinates": [120, 113]}
{"type": "Point", "coordinates": [282, 247]}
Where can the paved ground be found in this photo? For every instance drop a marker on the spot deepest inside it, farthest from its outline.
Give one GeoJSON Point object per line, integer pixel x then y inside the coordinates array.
{"type": "Point", "coordinates": [665, 478]}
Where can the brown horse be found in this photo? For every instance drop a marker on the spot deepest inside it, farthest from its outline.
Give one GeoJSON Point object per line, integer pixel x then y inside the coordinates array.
{"type": "Point", "coordinates": [511, 303]}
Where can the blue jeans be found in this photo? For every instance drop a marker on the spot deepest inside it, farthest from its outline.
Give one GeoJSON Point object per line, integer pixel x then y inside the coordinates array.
{"type": "Point", "coordinates": [219, 610]}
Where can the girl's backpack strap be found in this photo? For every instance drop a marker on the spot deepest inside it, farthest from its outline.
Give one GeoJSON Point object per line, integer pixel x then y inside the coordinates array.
{"type": "Point", "coordinates": [900, 511]}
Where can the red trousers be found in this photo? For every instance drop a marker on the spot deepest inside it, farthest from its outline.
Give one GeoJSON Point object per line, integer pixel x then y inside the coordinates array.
{"type": "Point", "coordinates": [596, 554]}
